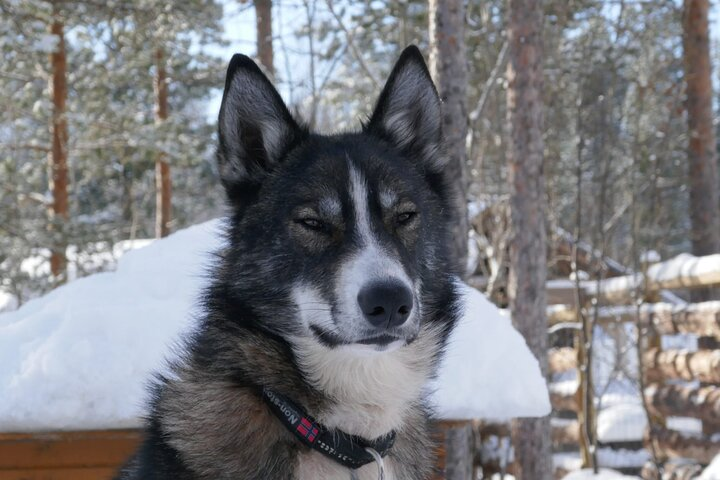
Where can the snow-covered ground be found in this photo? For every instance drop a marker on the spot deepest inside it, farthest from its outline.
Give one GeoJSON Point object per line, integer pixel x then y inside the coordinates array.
{"type": "Point", "coordinates": [488, 371]}
{"type": "Point", "coordinates": [603, 474]}
{"type": "Point", "coordinates": [622, 422]}
{"type": "Point", "coordinates": [712, 472]}
{"type": "Point", "coordinates": [79, 357]}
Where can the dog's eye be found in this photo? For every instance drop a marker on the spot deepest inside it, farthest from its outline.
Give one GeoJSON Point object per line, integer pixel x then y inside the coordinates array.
{"type": "Point", "coordinates": [312, 224]}
{"type": "Point", "coordinates": [405, 218]}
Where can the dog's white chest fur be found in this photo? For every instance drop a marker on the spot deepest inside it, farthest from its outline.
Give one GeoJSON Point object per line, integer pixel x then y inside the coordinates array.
{"type": "Point", "coordinates": [372, 393]}
{"type": "Point", "coordinates": [316, 466]}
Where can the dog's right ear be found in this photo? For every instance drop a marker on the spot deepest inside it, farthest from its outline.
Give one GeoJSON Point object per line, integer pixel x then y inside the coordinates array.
{"type": "Point", "coordinates": [255, 128]}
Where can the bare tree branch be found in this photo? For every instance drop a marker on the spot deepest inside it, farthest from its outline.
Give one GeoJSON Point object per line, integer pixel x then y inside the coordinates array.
{"type": "Point", "coordinates": [351, 44]}
{"type": "Point", "coordinates": [475, 115]}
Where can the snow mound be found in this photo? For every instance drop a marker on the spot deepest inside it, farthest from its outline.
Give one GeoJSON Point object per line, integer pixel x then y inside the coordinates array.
{"type": "Point", "coordinates": [712, 471]}
{"type": "Point", "coordinates": [488, 371]}
{"type": "Point", "coordinates": [650, 256]}
{"type": "Point", "coordinates": [603, 474]}
{"type": "Point", "coordinates": [622, 457]}
{"type": "Point", "coordinates": [622, 423]}
{"type": "Point", "coordinates": [80, 357]}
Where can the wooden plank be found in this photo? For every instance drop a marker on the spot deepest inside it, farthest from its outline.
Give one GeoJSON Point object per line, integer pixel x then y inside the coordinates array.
{"type": "Point", "coordinates": [107, 448]}
{"type": "Point", "coordinates": [98, 473]}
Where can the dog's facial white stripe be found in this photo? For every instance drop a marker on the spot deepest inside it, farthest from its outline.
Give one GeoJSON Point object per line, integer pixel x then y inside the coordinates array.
{"type": "Point", "coordinates": [370, 263]}
{"type": "Point", "coordinates": [359, 196]}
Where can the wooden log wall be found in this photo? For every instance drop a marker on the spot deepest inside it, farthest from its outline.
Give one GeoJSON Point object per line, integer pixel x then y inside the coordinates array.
{"type": "Point", "coordinates": [680, 383]}
{"type": "Point", "coordinates": [703, 365]}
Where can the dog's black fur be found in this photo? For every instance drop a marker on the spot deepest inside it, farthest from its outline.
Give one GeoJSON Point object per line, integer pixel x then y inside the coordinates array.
{"type": "Point", "coordinates": [206, 419]}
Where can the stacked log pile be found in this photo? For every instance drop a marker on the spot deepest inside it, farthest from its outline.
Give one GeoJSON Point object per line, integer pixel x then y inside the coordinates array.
{"type": "Point", "coordinates": [678, 382]}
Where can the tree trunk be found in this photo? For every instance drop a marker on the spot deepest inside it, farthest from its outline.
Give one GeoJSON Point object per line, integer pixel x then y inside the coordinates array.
{"type": "Point", "coordinates": [58, 153]}
{"type": "Point", "coordinates": [263, 19]}
{"type": "Point", "coordinates": [459, 452]}
{"type": "Point", "coordinates": [702, 158]}
{"type": "Point", "coordinates": [528, 269]}
{"type": "Point", "coordinates": [163, 199]}
{"type": "Point", "coordinates": [448, 67]}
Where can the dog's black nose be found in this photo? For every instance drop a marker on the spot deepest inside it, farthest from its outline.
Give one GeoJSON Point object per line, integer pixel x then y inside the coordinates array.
{"type": "Point", "coordinates": [386, 304]}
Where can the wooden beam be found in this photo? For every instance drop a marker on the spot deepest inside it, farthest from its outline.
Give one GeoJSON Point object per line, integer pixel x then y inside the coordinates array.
{"type": "Point", "coordinates": [702, 319]}
{"type": "Point", "coordinates": [562, 359]}
{"type": "Point", "coordinates": [674, 444]}
{"type": "Point", "coordinates": [89, 473]}
{"type": "Point", "coordinates": [703, 365]}
{"type": "Point", "coordinates": [559, 313]}
{"type": "Point", "coordinates": [565, 432]}
{"type": "Point", "coordinates": [685, 401]}
{"type": "Point", "coordinates": [683, 271]}
{"type": "Point", "coordinates": [561, 402]}
{"type": "Point", "coordinates": [65, 451]}
{"type": "Point", "coordinates": [561, 292]}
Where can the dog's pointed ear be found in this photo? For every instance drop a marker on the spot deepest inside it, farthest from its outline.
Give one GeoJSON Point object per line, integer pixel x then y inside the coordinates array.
{"type": "Point", "coordinates": [408, 112]}
{"type": "Point", "coordinates": [255, 128]}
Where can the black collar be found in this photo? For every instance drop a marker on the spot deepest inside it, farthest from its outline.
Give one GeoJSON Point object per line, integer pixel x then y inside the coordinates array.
{"type": "Point", "coordinates": [348, 450]}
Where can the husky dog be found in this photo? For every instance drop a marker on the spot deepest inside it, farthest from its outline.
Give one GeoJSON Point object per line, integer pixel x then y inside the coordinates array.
{"type": "Point", "coordinates": [329, 306]}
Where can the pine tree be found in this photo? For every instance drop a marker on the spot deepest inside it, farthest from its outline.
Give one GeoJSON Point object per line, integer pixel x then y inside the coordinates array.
{"type": "Point", "coordinates": [531, 437]}
{"type": "Point", "coordinates": [263, 21]}
{"type": "Point", "coordinates": [112, 136]}
{"type": "Point", "coordinates": [448, 66]}
{"type": "Point", "coordinates": [702, 156]}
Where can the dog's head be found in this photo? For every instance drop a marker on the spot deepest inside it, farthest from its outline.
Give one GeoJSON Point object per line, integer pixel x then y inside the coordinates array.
{"type": "Point", "coordinates": [338, 238]}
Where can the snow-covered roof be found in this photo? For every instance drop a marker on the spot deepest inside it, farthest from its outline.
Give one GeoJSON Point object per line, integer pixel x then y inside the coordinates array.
{"type": "Point", "coordinates": [80, 356]}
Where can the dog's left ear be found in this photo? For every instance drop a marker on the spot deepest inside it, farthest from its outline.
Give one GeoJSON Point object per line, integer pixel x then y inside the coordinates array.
{"type": "Point", "coordinates": [255, 129]}
{"type": "Point", "coordinates": [408, 112]}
